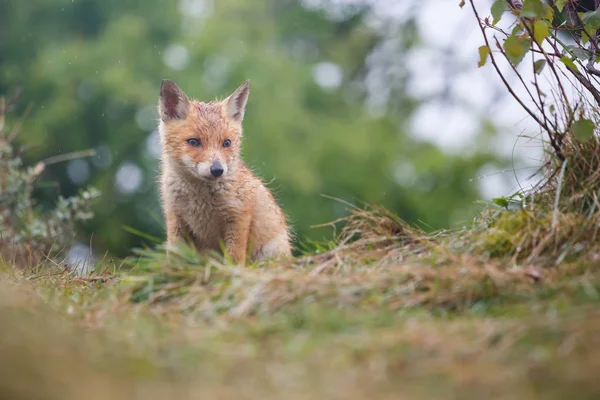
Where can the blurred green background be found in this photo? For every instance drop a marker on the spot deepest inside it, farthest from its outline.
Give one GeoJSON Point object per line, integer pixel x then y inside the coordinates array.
{"type": "Point", "coordinates": [328, 112]}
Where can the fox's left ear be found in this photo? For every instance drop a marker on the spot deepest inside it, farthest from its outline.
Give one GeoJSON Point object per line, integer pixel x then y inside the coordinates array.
{"type": "Point", "coordinates": [235, 104]}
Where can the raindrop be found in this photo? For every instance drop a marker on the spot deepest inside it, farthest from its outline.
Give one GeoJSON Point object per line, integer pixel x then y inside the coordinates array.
{"type": "Point", "coordinates": [80, 258]}
{"type": "Point", "coordinates": [196, 8]}
{"type": "Point", "coordinates": [103, 157]}
{"type": "Point", "coordinates": [153, 144]}
{"type": "Point", "coordinates": [404, 173]}
{"type": "Point", "coordinates": [146, 118]}
{"type": "Point", "coordinates": [176, 57]}
{"type": "Point", "coordinates": [327, 75]}
{"type": "Point", "coordinates": [129, 178]}
{"type": "Point", "coordinates": [78, 171]}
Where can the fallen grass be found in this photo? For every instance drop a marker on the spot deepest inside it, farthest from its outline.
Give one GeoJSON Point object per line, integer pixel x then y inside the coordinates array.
{"type": "Point", "coordinates": [387, 311]}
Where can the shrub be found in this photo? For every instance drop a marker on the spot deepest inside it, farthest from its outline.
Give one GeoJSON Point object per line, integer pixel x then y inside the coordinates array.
{"type": "Point", "coordinates": [28, 234]}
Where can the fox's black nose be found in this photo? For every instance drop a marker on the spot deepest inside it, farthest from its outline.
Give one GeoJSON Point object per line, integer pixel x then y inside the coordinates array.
{"type": "Point", "coordinates": [216, 169]}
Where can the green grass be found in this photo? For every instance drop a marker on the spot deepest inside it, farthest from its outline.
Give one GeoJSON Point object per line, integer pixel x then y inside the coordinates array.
{"type": "Point", "coordinates": [387, 313]}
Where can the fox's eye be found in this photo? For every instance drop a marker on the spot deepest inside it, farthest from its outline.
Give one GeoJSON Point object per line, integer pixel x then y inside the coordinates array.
{"type": "Point", "coordinates": [227, 143]}
{"type": "Point", "coordinates": [194, 142]}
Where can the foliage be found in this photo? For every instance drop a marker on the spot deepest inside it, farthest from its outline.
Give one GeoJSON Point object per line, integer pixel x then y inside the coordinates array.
{"type": "Point", "coordinates": [28, 233]}
{"type": "Point", "coordinates": [535, 31]}
{"type": "Point", "coordinates": [93, 68]}
{"type": "Point", "coordinates": [567, 115]}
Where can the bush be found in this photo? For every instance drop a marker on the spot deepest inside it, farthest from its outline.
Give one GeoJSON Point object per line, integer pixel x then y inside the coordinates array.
{"type": "Point", "coordinates": [28, 234]}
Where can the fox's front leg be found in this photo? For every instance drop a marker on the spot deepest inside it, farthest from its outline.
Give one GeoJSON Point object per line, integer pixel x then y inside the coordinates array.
{"type": "Point", "coordinates": [175, 230]}
{"type": "Point", "coordinates": [237, 233]}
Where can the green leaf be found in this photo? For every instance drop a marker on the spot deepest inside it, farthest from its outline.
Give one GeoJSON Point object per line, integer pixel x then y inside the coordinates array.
{"type": "Point", "coordinates": [588, 33]}
{"type": "Point", "coordinates": [569, 63]}
{"type": "Point", "coordinates": [585, 38]}
{"type": "Point", "coordinates": [518, 29]}
{"type": "Point", "coordinates": [501, 201]}
{"type": "Point", "coordinates": [516, 47]}
{"type": "Point", "coordinates": [538, 66]}
{"type": "Point", "coordinates": [536, 9]}
{"type": "Point", "coordinates": [549, 13]}
{"type": "Point", "coordinates": [540, 31]}
{"type": "Point", "coordinates": [484, 51]}
{"type": "Point", "coordinates": [591, 19]}
{"type": "Point", "coordinates": [560, 4]}
{"type": "Point", "coordinates": [541, 93]}
{"type": "Point", "coordinates": [578, 52]}
{"type": "Point", "coordinates": [583, 129]}
{"type": "Point", "coordinates": [498, 9]}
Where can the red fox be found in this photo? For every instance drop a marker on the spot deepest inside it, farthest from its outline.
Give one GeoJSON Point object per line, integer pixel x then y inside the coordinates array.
{"type": "Point", "coordinates": [208, 194]}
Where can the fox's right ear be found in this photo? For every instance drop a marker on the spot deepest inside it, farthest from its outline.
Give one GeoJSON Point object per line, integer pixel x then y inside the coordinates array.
{"type": "Point", "coordinates": [236, 102]}
{"type": "Point", "coordinates": [173, 103]}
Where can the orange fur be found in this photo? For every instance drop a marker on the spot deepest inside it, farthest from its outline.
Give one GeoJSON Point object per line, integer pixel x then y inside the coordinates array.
{"type": "Point", "coordinates": [235, 208]}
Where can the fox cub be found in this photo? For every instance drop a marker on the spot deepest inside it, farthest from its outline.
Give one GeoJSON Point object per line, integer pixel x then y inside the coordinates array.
{"type": "Point", "coordinates": [209, 196]}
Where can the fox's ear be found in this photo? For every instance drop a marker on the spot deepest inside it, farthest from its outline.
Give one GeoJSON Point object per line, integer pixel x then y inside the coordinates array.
{"type": "Point", "coordinates": [236, 103]}
{"type": "Point", "coordinates": [173, 103]}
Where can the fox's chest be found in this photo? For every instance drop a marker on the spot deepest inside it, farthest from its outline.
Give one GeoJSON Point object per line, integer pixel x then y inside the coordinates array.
{"type": "Point", "coordinates": [203, 213]}
{"type": "Point", "coordinates": [204, 220]}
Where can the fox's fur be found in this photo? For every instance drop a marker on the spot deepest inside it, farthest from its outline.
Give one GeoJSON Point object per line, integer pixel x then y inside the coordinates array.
{"type": "Point", "coordinates": [234, 209]}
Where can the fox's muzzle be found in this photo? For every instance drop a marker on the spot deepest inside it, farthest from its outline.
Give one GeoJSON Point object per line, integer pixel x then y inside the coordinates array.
{"type": "Point", "coordinates": [216, 169]}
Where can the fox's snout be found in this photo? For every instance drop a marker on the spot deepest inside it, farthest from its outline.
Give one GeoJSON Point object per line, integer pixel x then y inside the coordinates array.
{"type": "Point", "coordinates": [210, 170]}
{"type": "Point", "coordinates": [216, 169]}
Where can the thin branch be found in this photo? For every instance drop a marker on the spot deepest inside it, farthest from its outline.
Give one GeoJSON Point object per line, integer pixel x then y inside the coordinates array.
{"type": "Point", "coordinates": [586, 83]}
{"type": "Point", "coordinates": [502, 77]}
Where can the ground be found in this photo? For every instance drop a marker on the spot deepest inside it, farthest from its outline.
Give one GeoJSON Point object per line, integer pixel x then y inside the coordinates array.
{"type": "Point", "coordinates": [383, 312]}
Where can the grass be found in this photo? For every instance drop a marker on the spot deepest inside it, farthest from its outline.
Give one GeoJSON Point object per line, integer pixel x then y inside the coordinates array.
{"type": "Point", "coordinates": [507, 308]}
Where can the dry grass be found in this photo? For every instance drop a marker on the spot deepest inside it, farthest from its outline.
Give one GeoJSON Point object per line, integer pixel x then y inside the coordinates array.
{"type": "Point", "coordinates": [378, 262]}
{"type": "Point", "coordinates": [386, 311]}
{"type": "Point", "coordinates": [90, 340]}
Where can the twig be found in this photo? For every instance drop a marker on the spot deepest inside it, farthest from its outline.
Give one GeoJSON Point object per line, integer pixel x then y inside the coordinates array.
{"type": "Point", "coordinates": [508, 87]}
{"type": "Point", "coordinates": [69, 156]}
{"type": "Point", "coordinates": [557, 196]}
